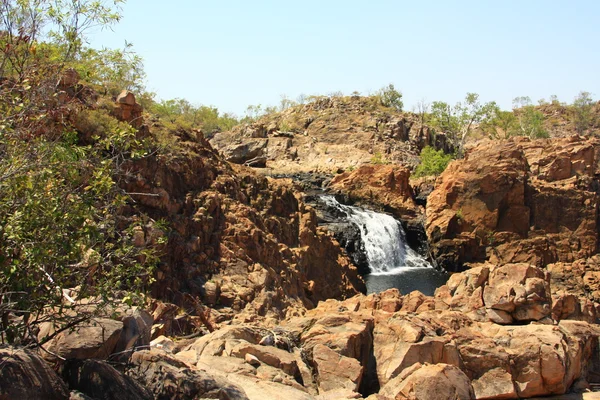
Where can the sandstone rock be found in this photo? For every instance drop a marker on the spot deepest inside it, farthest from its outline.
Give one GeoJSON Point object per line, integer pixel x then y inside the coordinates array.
{"type": "Point", "coordinates": [245, 151]}
{"type": "Point", "coordinates": [521, 290]}
{"type": "Point", "coordinates": [269, 355]}
{"type": "Point", "coordinates": [381, 185]}
{"type": "Point", "coordinates": [430, 382]}
{"type": "Point", "coordinates": [252, 360]}
{"type": "Point", "coordinates": [166, 377]}
{"type": "Point", "coordinates": [500, 203]}
{"type": "Point", "coordinates": [348, 334]}
{"type": "Point", "coordinates": [163, 343]}
{"type": "Point", "coordinates": [336, 371]}
{"type": "Point", "coordinates": [127, 109]}
{"type": "Point", "coordinates": [25, 375]}
{"type": "Point", "coordinates": [96, 338]}
{"type": "Point", "coordinates": [137, 327]}
{"type": "Point", "coordinates": [69, 78]}
{"type": "Point", "coordinates": [99, 380]}
{"type": "Point", "coordinates": [401, 342]}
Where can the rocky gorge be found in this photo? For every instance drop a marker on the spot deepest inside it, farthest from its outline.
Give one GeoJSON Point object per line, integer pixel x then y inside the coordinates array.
{"type": "Point", "coordinates": [254, 299]}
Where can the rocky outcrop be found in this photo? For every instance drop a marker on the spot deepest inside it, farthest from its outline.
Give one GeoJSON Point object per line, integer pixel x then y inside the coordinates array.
{"type": "Point", "coordinates": [381, 346]}
{"type": "Point", "coordinates": [511, 293]}
{"type": "Point", "coordinates": [241, 243]}
{"type": "Point", "coordinates": [99, 380]}
{"type": "Point", "coordinates": [500, 204]}
{"type": "Point", "coordinates": [328, 134]}
{"type": "Point", "coordinates": [167, 377]}
{"type": "Point", "coordinates": [96, 338]}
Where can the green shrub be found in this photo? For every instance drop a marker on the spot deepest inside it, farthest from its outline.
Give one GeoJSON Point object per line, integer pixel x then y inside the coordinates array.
{"type": "Point", "coordinates": [390, 97]}
{"type": "Point", "coordinates": [433, 162]}
{"type": "Point", "coordinates": [378, 159]}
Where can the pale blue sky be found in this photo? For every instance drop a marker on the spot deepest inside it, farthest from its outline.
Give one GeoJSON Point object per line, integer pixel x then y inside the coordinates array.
{"type": "Point", "coordinates": [231, 53]}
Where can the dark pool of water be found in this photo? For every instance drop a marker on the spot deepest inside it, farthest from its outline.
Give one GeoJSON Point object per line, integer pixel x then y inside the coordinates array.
{"type": "Point", "coordinates": [425, 280]}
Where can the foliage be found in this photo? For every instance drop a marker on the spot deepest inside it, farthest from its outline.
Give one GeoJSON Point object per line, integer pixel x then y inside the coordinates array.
{"type": "Point", "coordinates": [59, 194]}
{"type": "Point", "coordinates": [111, 69]}
{"type": "Point", "coordinates": [532, 123]}
{"type": "Point", "coordinates": [584, 117]}
{"type": "Point", "coordinates": [378, 159]}
{"type": "Point", "coordinates": [531, 120]}
{"type": "Point", "coordinates": [390, 97]}
{"type": "Point", "coordinates": [502, 125]}
{"type": "Point", "coordinates": [458, 121]}
{"type": "Point", "coordinates": [180, 113]}
{"type": "Point", "coordinates": [433, 162]}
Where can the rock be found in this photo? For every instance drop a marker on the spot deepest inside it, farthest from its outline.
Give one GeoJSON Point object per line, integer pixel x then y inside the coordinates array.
{"type": "Point", "coordinates": [430, 382]}
{"type": "Point", "coordinates": [126, 97]}
{"type": "Point", "coordinates": [70, 77]}
{"type": "Point", "coordinates": [252, 360]}
{"type": "Point", "coordinates": [163, 343]}
{"type": "Point", "coordinates": [128, 110]}
{"type": "Point", "coordinates": [382, 185]}
{"type": "Point", "coordinates": [336, 371]}
{"type": "Point", "coordinates": [99, 380]}
{"type": "Point", "coordinates": [269, 355]}
{"type": "Point", "coordinates": [521, 290]}
{"type": "Point", "coordinates": [499, 204]}
{"type": "Point", "coordinates": [96, 338]}
{"type": "Point", "coordinates": [348, 334]}
{"type": "Point", "coordinates": [166, 377]}
{"type": "Point", "coordinates": [247, 150]}
{"type": "Point", "coordinates": [137, 327]}
{"type": "Point", "coordinates": [25, 375]}
{"type": "Point", "coordinates": [502, 294]}
{"type": "Point", "coordinates": [400, 342]}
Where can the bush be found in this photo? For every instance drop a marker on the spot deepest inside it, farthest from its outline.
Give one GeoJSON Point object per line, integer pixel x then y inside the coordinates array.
{"type": "Point", "coordinates": [433, 162]}
{"type": "Point", "coordinates": [378, 159]}
{"type": "Point", "coordinates": [390, 97]}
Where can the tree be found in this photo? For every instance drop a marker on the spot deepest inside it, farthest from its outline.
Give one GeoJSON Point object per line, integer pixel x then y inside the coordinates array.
{"type": "Point", "coordinates": [113, 70]}
{"type": "Point", "coordinates": [59, 194]}
{"type": "Point", "coordinates": [502, 125]}
{"type": "Point", "coordinates": [531, 120]}
{"type": "Point", "coordinates": [390, 97]}
{"type": "Point", "coordinates": [459, 121]}
{"type": "Point", "coordinates": [583, 112]}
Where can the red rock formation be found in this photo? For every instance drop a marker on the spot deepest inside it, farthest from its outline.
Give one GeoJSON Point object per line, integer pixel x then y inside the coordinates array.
{"type": "Point", "coordinates": [380, 185]}
{"type": "Point", "coordinates": [237, 240]}
{"type": "Point", "coordinates": [517, 201]}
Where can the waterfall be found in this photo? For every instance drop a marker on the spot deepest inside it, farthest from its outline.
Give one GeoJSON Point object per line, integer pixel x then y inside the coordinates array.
{"type": "Point", "coordinates": [383, 238]}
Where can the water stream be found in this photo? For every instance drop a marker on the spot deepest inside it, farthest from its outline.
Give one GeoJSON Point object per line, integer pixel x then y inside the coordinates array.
{"type": "Point", "coordinates": [391, 261]}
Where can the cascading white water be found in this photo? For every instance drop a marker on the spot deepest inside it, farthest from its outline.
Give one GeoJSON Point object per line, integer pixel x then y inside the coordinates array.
{"type": "Point", "coordinates": [383, 238]}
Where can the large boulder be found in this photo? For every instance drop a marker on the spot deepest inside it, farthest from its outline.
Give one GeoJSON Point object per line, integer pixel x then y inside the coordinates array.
{"type": "Point", "coordinates": [430, 382]}
{"type": "Point", "coordinates": [167, 377]}
{"type": "Point", "coordinates": [25, 375]}
{"type": "Point", "coordinates": [99, 380]}
{"type": "Point", "coordinates": [96, 338]}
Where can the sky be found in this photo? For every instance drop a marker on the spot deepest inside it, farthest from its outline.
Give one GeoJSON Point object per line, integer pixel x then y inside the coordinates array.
{"type": "Point", "coordinates": [231, 54]}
